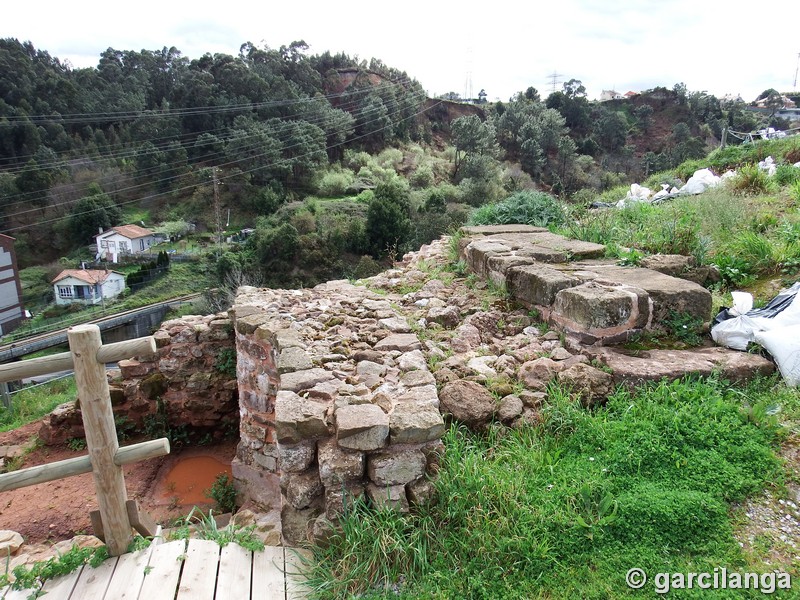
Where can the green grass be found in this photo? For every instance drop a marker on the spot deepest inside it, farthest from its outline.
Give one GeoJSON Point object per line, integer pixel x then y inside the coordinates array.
{"type": "Point", "coordinates": [36, 287]}
{"type": "Point", "coordinates": [33, 403]}
{"type": "Point", "coordinates": [563, 510]}
{"type": "Point", "coordinates": [137, 214]}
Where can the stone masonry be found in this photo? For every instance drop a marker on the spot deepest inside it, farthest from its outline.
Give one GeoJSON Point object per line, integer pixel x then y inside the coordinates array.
{"type": "Point", "coordinates": [182, 384]}
{"type": "Point", "coordinates": [336, 401]}
{"type": "Point", "coordinates": [593, 299]}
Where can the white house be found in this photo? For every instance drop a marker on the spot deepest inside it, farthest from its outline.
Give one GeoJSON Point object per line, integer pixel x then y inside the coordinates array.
{"type": "Point", "coordinates": [87, 286]}
{"type": "Point", "coordinates": [124, 239]}
{"type": "Point", "coordinates": [607, 95]}
{"type": "Point", "coordinates": [11, 311]}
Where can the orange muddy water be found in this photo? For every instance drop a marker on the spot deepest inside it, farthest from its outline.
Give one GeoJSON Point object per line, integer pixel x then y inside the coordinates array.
{"type": "Point", "coordinates": [190, 478]}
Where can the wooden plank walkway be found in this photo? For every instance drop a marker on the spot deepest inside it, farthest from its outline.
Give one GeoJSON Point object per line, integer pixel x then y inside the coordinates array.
{"type": "Point", "coordinates": [199, 570]}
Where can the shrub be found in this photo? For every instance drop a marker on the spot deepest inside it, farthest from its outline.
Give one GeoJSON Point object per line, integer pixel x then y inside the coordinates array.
{"type": "Point", "coordinates": [226, 362]}
{"type": "Point", "coordinates": [223, 493]}
{"type": "Point", "coordinates": [422, 177]}
{"type": "Point", "coordinates": [527, 208]}
{"type": "Point", "coordinates": [365, 197]}
{"type": "Point", "coordinates": [334, 184]}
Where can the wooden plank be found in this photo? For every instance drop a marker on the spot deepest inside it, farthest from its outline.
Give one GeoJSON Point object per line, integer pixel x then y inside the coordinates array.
{"type": "Point", "coordinates": [97, 525]}
{"type": "Point", "coordinates": [128, 576]}
{"type": "Point", "coordinates": [199, 574]}
{"type": "Point", "coordinates": [158, 538]}
{"type": "Point", "coordinates": [269, 582]}
{"type": "Point", "coordinates": [164, 571]}
{"type": "Point", "coordinates": [60, 588]}
{"type": "Point", "coordinates": [140, 520]}
{"type": "Point", "coordinates": [18, 594]}
{"type": "Point", "coordinates": [235, 568]}
{"type": "Point", "coordinates": [80, 465]}
{"type": "Point", "coordinates": [63, 361]}
{"type": "Point", "coordinates": [101, 436]}
{"type": "Point", "coordinates": [93, 583]}
{"type": "Point", "coordinates": [296, 563]}
{"type": "Point", "coordinates": [44, 473]}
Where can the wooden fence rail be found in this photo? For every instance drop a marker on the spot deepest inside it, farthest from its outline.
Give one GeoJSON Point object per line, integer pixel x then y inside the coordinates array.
{"type": "Point", "coordinates": [88, 356]}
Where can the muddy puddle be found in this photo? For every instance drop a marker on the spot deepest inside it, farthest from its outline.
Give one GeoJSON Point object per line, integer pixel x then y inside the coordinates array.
{"type": "Point", "coordinates": [189, 479]}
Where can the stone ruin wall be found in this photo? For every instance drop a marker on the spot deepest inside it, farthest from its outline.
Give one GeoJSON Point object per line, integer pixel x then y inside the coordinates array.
{"type": "Point", "coordinates": [181, 384]}
{"type": "Point", "coordinates": [333, 394]}
{"type": "Point", "coordinates": [336, 403]}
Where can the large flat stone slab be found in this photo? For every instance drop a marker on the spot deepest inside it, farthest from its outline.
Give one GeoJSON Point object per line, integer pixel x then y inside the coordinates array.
{"type": "Point", "coordinates": [636, 368]}
{"type": "Point", "coordinates": [668, 293]}
{"type": "Point", "coordinates": [538, 284]}
{"type": "Point", "coordinates": [475, 230]}
{"type": "Point", "coordinates": [597, 311]}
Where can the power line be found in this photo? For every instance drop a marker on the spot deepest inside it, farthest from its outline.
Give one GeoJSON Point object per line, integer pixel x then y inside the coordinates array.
{"type": "Point", "coordinates": [188, 187]}
{"type": "Point", "coordinates": [201, 111]}
{"type": "Point", "coordinates": [207, 157]}
{"type": "Point", "coordinates": [285, 127]}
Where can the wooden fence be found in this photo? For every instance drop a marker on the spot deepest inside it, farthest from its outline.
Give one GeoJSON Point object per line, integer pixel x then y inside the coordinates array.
{"type": "Point", "coordinates": [117, 516]}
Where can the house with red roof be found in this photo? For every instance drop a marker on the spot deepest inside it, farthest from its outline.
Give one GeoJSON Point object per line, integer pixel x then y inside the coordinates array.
{"type": "Point", "coordinates": [124, 239]}
{"type": "Point", "coordinates": [87, 286]}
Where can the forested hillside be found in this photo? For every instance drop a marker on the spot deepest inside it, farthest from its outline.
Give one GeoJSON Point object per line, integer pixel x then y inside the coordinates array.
{"type": "Point", "coordinates": [328, 158]}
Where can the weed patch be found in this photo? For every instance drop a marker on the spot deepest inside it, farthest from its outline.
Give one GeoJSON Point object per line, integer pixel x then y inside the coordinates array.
{"type": "Point", "coordinates": [564, 509]}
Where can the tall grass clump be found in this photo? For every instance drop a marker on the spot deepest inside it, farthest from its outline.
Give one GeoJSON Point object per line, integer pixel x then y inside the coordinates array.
{"type": "Point", "coordinates": [786, 175]}
{"type": "Point", "coordinates": [564, 508]}
{"type": "Point", "coordinates": [794, 192]}
{"type": "Point", "coordinates": [526, 208]}
{"type": "Point", "coordinates": [750, 180]}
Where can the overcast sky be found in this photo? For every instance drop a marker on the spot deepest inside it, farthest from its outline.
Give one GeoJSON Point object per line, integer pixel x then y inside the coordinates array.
{"type": "Point", "coordinates": [721, 47]}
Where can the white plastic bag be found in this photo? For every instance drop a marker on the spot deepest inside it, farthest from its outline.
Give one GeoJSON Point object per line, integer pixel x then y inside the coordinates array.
{"type": "Point", "coordinates": [783, 311]}
{"type": "Point", "coordinates": [736, 333]}
{"type": "Point", "coordinates": [698, 183]}
{"type": "Point", "coordinates": [784, 346]}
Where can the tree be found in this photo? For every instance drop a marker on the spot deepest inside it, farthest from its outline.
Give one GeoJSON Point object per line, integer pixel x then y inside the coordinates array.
{"type": "Point", "coordinates": [388, 220]}
{"type": "Point", "coordinates": [574, 89]}
{"type": "Point", "coordinates": [472, 137]}
{"type": "Point", "coordinates": [532, 94]}
{"type": "Point", "coordinates": [612, 130]}
{"type": "Point", "coordinates": [92, 212]}
{"type": "Point", "coordinates": [643, 114]}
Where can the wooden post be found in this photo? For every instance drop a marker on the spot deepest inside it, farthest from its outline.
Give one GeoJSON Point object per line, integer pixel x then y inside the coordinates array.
{"type": "Point", "coordinates": [101, 436]}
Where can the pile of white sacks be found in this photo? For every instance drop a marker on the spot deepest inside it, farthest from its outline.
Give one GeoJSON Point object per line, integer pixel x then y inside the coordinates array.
{"type": "Point", "coordinates": [698, 183]}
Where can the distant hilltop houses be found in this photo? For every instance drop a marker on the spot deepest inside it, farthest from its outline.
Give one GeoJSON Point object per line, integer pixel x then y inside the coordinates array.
{"type": "Point", "coordinates": [768, 102]}
{"type": "Point", "coordinates": [607, 95]}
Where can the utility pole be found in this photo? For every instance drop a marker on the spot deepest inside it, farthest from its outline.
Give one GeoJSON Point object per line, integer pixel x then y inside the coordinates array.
{"type": "Point", "coordinates": [796, 69]}
{"type": "Point", "coordinates": [217, 208]}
